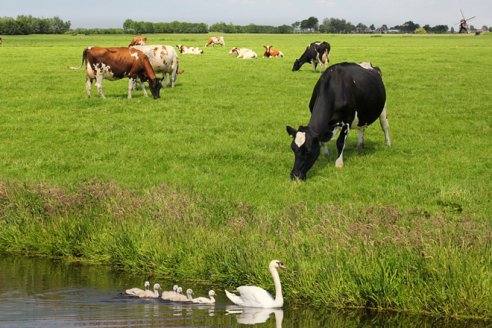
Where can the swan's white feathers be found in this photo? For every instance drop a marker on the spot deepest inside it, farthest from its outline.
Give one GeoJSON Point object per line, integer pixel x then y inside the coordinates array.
{"type": "Point", "coordinates": [251, 296]}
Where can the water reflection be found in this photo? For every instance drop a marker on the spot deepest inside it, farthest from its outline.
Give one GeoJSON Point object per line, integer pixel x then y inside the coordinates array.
{"type": "Point", "coordinates": [42, 293]}
{"type": "Point", "coordinates": [251, 316]}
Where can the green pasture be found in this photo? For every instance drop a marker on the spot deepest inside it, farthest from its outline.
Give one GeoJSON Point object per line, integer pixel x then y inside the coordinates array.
{"type": "Point", "coordinates": [195, 185]}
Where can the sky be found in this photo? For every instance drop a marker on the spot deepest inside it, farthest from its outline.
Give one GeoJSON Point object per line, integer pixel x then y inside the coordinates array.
{"type": "Point", "coordinates": [112, 13]}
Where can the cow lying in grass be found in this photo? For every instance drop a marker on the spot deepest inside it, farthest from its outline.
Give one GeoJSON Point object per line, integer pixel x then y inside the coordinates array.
{"type": "Point", "coordinates": [243, 53]}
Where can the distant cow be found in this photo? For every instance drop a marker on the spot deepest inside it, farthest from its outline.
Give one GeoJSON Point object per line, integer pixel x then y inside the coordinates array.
{"type": "Point", "coordinates": [117, 63]}
{"type": "Point", "coordinates": [163, 59]}
{"type": "Point", "coordinates": [189, 50]}
{"type": "Point", "coordinates": [345, 96]}
{"type": "Point", "coordinates": [138, 40]}
{"type": "Point", "coordinates": [316, 53]}
{"type": "Point", "coordinates": [215, 40]}
{"type": "Point", "coordinates": [269, 52]}
{"type": "Point", "coordinates": [243, 53]}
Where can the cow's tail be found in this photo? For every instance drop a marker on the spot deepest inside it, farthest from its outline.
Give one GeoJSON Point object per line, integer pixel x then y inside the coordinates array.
{"type": "Point", "coordinates": [84, 58]}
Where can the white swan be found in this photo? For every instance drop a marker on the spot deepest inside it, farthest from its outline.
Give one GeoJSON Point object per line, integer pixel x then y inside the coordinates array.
{"type": "Point", "coordinates": [206, 300]}
{"type": "Point", "coordinates": [253, 296]}
{"type": "Point", "coordinates": [183, 298]}
{"type": "Point", "coordinates": [167, 294]}
{"type": "Point", "coordinates": [152, 294]}
{"type": "Point", "coordinates": [137, 291]}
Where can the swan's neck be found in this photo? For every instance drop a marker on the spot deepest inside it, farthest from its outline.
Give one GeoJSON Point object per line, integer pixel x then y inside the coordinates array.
{"type": "Point", "coordinates": [279, 299]}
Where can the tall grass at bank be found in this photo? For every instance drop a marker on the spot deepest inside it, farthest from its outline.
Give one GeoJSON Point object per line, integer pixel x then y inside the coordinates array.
{"type": "Point", "coordinates": [377, 257]}
{"type": "Point", "coordinates": [196, 185]}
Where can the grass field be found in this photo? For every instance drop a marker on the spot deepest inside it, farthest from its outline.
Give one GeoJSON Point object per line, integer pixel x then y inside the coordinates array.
{"type": "Point", "coordinates": [196, 185]}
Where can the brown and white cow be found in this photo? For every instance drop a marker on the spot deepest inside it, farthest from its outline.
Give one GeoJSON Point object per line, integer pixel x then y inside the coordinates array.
{"type": "Point", "coordinates": [215, 40]}
{"type": "Point", "coordinates": [117, 63]}
{"type": "Point", "coordinates": [189, 50]}
{"type": "Point", "coordinates": [138, 40]}
{"type": "Point", "coordinates": [269, 52]}
{"type": "Point", "coordinates": [243, 53]}
{"type": "Point", "coordinates": [163, 59]}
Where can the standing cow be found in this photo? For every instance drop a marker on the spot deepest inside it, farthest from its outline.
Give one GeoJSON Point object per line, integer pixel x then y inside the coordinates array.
{"type": "Point", "coordinates": [117, 63]}
{"type": "Point", "coordinates": [345, 96]}
{"type": "Point", "coordinates": [316, 53]}
{"type": "Point", "coordinates": [163, 59]}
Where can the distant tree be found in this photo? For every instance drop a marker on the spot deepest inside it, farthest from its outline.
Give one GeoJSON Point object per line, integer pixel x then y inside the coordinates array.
{"type": "Point", "coordinates": [285, 29]}
{"type": "Point", "coordinates": [407, 27]}
{"type": "Point", "coordinates": [427, 28]}
{"type": "Point", "coordinates": [439, 29]}
{"type": "Point", "coordinates": [384, 28]}
{"type": "Point", "coordinates": [420, 30]}
{"type": "Point", "coordinates": [360, 28]}
{"type": "Point", "coordinates": [372, 28]}
{"type": "Point", "coordinates": [310, 24]}
{"type": "Point", "coordinates": [313, 23]}
{"type": "Point", "coordinates": [296, 25]}
{"type": "Point", "coordinates": [335, 25]}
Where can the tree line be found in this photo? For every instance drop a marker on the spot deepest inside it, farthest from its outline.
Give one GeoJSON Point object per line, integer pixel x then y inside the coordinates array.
{"type": "Point", "coordinates": [23, 25]}
{"type": "Point", "coordinates": [32, 25]}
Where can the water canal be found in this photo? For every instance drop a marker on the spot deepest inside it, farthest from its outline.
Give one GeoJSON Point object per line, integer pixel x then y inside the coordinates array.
{"type": "Point", "coordinates": [43, 293]}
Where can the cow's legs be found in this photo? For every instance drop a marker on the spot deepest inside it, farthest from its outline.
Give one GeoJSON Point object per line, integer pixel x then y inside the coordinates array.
{"type": "Point", "coordinates": [142, 84]}
{"type": "Point", "coordinates": [99, 79]}
{"type": "Point", "coordinates": [88, 86]}
{"type": "Point", "coordinates": [341, 144]}
{"type": "Point", "coordinates": [173, 77]}
{"type": "Point", "coordinates": [360, 137]}
{"type": "Point", "coordinates": [324, 149]}
{"type": "Point", "coordinates": [383, 121]}
{"type": "Point", "coordinates": [131, 83]}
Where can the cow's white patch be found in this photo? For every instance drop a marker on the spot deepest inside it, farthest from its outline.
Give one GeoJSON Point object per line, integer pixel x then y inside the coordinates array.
{"type": "Point", "coordinates": [366, 65]}
{"type": "Point", "coordinates": [135, 55]}
{"type": "Point", "coordinates": [300, 139]}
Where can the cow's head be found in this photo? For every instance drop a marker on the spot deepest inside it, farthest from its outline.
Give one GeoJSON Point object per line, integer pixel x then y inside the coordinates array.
{"type": "Point", "coordinates": [155, 86]}
{"type": "Point", "coordinates": [297, 65]}
{"type": "Point", "coordinates": [306, 151]}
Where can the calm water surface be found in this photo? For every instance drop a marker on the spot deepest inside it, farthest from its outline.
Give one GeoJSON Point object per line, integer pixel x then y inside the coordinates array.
{"type": "Point", "coordinates": [42, 293]}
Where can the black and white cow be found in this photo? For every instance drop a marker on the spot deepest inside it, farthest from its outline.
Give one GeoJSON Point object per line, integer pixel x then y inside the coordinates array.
{"type": "Point", "coordinates": [316, 53]}
{"type": "Point", "coordinates": [345, 96]}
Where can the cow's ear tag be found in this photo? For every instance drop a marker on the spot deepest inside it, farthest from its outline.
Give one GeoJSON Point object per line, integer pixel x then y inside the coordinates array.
{"type": "Point", "coordinates": [300, 139]}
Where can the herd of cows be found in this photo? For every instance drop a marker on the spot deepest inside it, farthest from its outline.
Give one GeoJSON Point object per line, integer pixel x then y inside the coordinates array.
{"type": "Point", "coordinates": [347, 95]}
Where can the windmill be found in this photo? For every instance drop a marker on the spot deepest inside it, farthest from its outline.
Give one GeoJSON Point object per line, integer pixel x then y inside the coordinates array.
{"type": "Point", "coordinates": [464, 23]}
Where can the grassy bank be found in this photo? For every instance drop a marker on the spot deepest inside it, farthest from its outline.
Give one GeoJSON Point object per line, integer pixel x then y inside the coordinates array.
{"type": "Point", "coordinates": [378, 257]}
{"type": "Point", "coordinates": [195, 185]}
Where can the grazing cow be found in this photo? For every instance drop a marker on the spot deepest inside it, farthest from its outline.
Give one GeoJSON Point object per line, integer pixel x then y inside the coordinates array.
{"type": "Point", "coordinates": [189, 50]}
{"type": "Point", "coordinates": [345, 96]}
{"type": "Point", "coordinates": [138, 40]}
{"type": "Point", "coordinates": [163, 59]}
{"type": "Point", "coordinates": [269, 52]}
{"type": "Point", "coordinates": [316, 53]}
{"type": "Point", "coordinates": [117, 63]}
{"type": "Point", "coordinates": [243, 53]}
{"type": "Point", "coordinates": [215, 40]}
